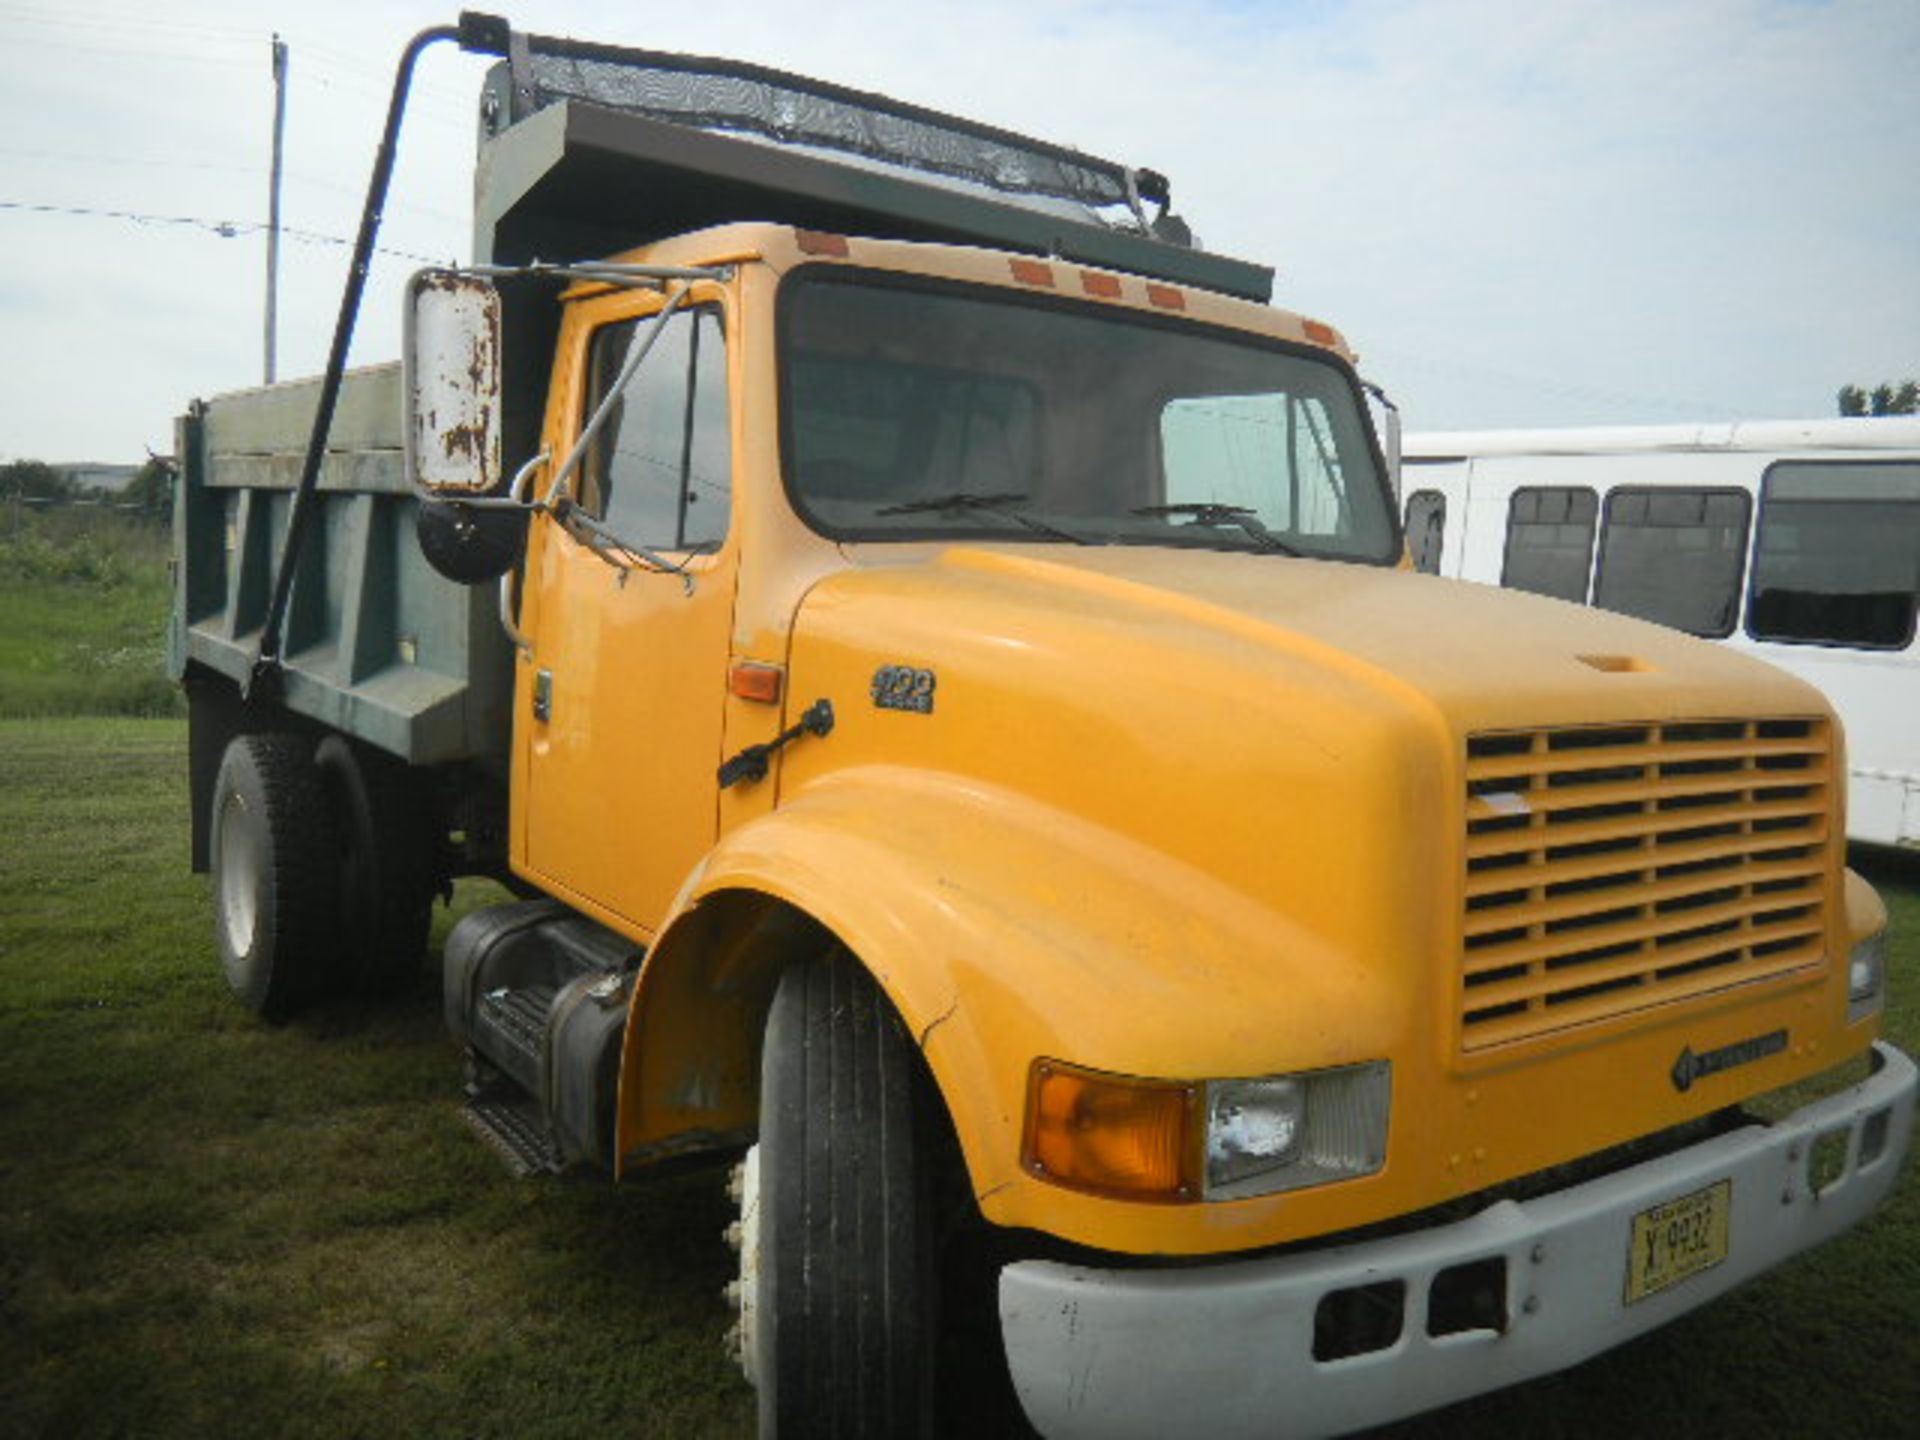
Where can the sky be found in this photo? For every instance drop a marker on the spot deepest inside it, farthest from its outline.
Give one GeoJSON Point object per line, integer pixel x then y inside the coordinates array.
{"type": "Point", "coordinates": [1562, 212]}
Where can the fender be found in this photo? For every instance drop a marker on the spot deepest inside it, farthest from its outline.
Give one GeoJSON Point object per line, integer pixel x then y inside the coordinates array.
{"type": "Point", "coordinates": [1064, 940]}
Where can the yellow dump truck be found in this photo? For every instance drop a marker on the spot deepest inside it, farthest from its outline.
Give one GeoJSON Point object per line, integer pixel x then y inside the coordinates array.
{"type": "Point", "coordinates": [933, 650]}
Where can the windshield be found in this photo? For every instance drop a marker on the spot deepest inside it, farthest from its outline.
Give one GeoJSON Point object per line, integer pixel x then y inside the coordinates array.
{"type": "Point", "coordinates": [918, 413]}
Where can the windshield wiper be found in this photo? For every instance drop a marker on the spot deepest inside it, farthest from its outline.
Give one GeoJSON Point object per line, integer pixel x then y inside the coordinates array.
{"type": "Point", "coordinates": [993, 502]}
{"type": "Point", "coordinates": [1214, 515]}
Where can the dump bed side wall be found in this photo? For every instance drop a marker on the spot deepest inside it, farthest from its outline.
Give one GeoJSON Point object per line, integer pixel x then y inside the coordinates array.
{"type": "Point", "coordinates": [377, 645]}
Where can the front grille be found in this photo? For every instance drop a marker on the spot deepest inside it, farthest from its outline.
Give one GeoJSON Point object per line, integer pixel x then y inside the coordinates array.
{"type": "Point", "coordinates": [1615, 868]}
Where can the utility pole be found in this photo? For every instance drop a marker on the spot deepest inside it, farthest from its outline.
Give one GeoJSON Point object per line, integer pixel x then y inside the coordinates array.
{"type": "Point", "coordinates": [273, 198]}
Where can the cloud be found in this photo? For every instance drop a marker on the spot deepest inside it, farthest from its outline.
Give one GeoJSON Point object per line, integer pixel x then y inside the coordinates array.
{"type": "Point", "coordinates": [1573, 213]}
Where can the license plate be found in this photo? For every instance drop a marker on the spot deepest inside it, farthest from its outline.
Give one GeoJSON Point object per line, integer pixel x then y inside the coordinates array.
{"type": "Point", "coordinates": [1677, 1240]}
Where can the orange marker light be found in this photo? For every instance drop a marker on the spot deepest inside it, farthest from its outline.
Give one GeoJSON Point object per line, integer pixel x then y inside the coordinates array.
{"type": "Point", "coordinates": [818, 242]}
{"type": "Point", "coordinates": [1107, 287]}
{"type": "Point", "coordinates": [1319, 333]}
{"type": "Point", "coordinates": [1166, 297]}
{"type": "Point", "coordinates": [752, 680]}
{"type": "Point", "coordinates": [1113, 1134]}
{"type": "Point", "coordinates": [1031, 272]}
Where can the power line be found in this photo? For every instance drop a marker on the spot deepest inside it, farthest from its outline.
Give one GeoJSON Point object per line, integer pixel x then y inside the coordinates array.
{"type": "Point", "coordinates": [71, 157]}
{"type": "Point", "coordinates": [303, 177]}
{"type": "Point", "coordinates": [223, 62]}
{"type": "Point", "coordinates": [226, 229]}
{"type": "Point", "coordinates": [107, 21]}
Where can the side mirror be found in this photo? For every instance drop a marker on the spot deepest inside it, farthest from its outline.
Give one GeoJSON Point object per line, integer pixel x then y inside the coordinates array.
{"type": "Point", "coordinates": [1386, 425]}
{"type": "Point", "coordinates": [450, 373]}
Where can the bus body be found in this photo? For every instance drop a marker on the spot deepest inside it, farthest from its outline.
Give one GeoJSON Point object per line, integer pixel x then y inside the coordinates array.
{"type": "Point", "coordinates": [1797, 541]}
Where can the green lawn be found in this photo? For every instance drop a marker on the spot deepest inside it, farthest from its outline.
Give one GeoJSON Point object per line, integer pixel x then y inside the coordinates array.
{"type": "Point", "coordinates": [209, 1226]}
{"type": "Point", "coordinates": [83, 594]}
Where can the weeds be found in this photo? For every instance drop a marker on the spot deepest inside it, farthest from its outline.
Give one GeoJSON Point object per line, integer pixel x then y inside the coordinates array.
{"type": "Point", "coordinates": [83, 615]}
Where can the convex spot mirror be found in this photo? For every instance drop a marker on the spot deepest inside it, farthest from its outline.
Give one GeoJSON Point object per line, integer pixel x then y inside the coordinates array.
{"type": "Point", "coordinates": [450, 367]}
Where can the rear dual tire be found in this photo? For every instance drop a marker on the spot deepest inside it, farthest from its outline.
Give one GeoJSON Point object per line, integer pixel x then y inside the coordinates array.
{"type": "Point", "coordinates": [324, 866]}
{"type": "Point", "coordinates": [387, 864]}
{"type": "Point", "coordinates": [275, 850]}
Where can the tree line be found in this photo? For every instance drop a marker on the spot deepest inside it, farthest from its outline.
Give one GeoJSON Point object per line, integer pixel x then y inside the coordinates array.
{"type": "Point", "coordinates": [1894, 398]}
{"type": "Point", "coordinates": [35, 482]}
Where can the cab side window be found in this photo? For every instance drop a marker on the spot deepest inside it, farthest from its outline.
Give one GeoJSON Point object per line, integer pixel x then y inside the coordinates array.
{"type": "Point", "coordinates": [660, 472]}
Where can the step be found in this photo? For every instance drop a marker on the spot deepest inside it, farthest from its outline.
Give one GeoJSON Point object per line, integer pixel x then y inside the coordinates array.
{"type": "Point", "coordinates": [510, 1124]}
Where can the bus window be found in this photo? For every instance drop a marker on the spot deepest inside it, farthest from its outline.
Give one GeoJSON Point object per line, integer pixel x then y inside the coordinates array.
{"type": "Point", "coordinates": [1426, 528]}
{"type": "Point", "coordinates": [1838, 562]}
{"type": "Point", "coordinates": [1674, 557]}
{"type": "Point", "coordinates": [1550, 541]}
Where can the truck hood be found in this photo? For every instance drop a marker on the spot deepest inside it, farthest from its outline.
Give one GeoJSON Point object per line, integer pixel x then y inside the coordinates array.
{"type": "Point", "coordinates": [1259, 718]}
{"type": "Point", "coordinates": [1482, 656]}
{"type": "Point", "coordinates": [1200, 813]}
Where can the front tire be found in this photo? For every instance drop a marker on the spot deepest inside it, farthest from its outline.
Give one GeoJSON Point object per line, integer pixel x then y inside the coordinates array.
{"type": "Point", "coordinates": [274, 861]}
{"type": "Point", "coordinates": [838, 1228]}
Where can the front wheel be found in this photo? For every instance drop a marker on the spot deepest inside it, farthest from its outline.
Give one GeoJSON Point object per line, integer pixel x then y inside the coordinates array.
{"type": "Point", "coordinates": [837, 1290]}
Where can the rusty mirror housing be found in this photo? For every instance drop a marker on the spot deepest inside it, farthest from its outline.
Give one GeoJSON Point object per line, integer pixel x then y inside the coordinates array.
{"type": "Point", "coordinates": [450, 376]}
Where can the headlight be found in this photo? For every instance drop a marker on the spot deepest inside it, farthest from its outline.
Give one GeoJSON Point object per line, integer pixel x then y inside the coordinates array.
{"type": "Point", "coordinates": [1177, 1141]}
{"type": "Point", "coordinates": [1867, 977]}
{"type": "Point", "coordinates": [1290, 1131]}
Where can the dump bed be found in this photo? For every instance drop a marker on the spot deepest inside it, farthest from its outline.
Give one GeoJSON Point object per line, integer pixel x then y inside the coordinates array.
{"type": "Point", "coordinates": [377, 644]}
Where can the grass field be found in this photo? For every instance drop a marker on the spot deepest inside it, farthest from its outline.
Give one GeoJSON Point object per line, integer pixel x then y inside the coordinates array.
{"type": "Point", "coordinates": [84, 596]}
{"type": "Point", "coordinates": [213, 1227]}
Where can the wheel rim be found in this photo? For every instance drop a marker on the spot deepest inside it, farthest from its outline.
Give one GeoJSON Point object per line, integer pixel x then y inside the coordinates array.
{"type": "Point", "coordinates": [744, 1235]}
{"type": "Point", "coordinates": [241, 865]}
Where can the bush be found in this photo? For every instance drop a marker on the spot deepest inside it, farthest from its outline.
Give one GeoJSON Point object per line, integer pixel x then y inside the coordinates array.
{"type": "Point", "coordinates": [83, 614]}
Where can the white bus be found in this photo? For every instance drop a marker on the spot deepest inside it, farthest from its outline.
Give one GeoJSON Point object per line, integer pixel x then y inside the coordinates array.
{"type": "Point", "coordinates": [1798, 541]}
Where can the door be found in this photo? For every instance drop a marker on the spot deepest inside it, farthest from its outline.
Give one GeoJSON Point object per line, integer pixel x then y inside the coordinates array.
{"type": "Point", "coordinates": [628, 611]}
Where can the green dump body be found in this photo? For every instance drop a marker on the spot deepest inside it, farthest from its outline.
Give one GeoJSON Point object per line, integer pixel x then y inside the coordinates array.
{"type": "Point", "coordinates": [377, 644]}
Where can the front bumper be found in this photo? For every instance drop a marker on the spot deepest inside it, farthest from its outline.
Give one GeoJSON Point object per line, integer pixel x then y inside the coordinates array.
{"type": "Point", "coordinates": [1228, 1350]}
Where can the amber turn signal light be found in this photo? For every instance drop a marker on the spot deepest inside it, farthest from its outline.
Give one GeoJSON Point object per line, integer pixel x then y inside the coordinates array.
{"type": "Point", "coordinates": [1113, 1134]}
{"type": "Point", "coordinates": [819, 242]}
{"type": "Point", "coordinates": [753, 680]}
{"type": "Point", "coordinates": [1032, 272]}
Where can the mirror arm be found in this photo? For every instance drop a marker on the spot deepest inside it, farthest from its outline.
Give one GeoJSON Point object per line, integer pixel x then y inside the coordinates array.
{"type": "Point", "coordinates": [512, 500]}
{"type": "Point", "coordinates": [611, 548]}
{"type": "Point", "coordinates": [637, 349]}
{"type": "Point", "coordinates": [1388, 434]}
{"type": "Point", "coordinates": [509, 597]}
